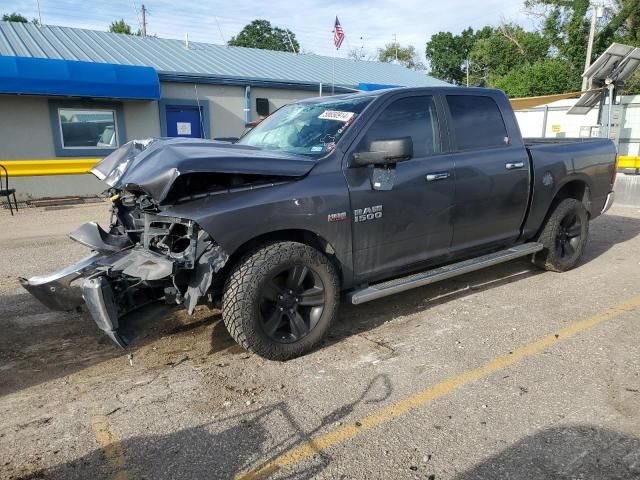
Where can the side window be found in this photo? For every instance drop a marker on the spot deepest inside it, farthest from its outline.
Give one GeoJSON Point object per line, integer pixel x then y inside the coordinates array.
{"type": "Point", "coordinates": [477, 122]}
{"type": "Point", "coordinates": [88, 128]}
{"type": "Point", "coordinates": [413, 117]}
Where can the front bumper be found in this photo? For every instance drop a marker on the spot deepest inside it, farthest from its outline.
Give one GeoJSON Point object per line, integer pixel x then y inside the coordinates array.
{"type": "Point", "coordinates": [114, 284]}
{"type": "Point", "coordinates": [610, 199]}
{"type": "Point", "coordinates": [55, 290]}
{"type": "Point", "coordinates": [96, 276]}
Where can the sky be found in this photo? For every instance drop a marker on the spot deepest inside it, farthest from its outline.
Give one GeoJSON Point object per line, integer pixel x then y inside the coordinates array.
{"type": "Point", "coordinates": [368, 25]}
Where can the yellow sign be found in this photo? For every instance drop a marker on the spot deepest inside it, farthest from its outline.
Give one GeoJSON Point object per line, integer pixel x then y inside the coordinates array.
{"type": "Point", "coordinates": [556, 128]}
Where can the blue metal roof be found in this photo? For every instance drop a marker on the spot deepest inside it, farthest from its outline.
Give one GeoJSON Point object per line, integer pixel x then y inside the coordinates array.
{"type": "Point", "coordinates": [170, 58]}
{"type": "Point", "coordinates": [43, 76]}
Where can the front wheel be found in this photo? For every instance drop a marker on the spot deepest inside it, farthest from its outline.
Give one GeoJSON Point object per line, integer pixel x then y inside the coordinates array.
{"type": "Point", "coordinates": [564, 236]}
{"type": "Point", "coordinates": [280, 300]}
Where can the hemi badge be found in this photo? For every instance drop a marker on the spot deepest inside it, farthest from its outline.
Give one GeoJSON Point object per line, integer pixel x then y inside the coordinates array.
{"type": "Point", "coordinates": [337, 217]}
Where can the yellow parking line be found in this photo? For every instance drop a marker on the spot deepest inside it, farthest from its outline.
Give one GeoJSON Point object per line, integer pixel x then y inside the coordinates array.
{"type": "Point", "coordinates": [111, 446]}
{"type": "Point", "coordinates": [443, 388]}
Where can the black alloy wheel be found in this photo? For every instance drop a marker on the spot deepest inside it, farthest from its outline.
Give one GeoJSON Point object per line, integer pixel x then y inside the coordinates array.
{"type": "Point", "coordinates": [564, 236]}
{"type": "Point", "coordinates": [280, 299]}
{"type": "Point", "coordinates": [291, 303]}
{"type": "Point", "coordinates": [568, 236]}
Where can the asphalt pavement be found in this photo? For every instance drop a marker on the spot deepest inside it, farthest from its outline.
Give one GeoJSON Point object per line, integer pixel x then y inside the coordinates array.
{"type": "Point", "coordinates": [510, 372]}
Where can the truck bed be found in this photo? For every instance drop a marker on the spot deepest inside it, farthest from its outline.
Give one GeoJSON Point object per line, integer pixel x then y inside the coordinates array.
{"type": "Point", "coordinates": [556, 160]}
{"type": "Point", "coordinates": [532, 141]}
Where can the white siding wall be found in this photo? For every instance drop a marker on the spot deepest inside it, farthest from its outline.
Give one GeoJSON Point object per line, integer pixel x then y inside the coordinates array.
{"type": "Point", "coordinates": [559, 123]}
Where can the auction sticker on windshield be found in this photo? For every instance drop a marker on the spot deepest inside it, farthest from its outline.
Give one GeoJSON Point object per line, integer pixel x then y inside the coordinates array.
{"type": "Point", "coordinates": [336, 115]}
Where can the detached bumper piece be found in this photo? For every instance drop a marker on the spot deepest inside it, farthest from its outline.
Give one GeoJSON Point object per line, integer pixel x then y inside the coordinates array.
{"type": "Point", "coordinates": [55, 290]}
{"type": "Point", "coordinates": [116, 283]}
{"type": "Point", "coordinates": [111, 285]}
{"type": "Point", "coordinates": [98, 295]}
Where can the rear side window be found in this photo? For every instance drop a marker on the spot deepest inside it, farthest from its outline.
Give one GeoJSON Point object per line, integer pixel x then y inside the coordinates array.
{"type": "Point", "coordinates": [477, 122]}
{"type": "Point", "coordinates": [413, 117]}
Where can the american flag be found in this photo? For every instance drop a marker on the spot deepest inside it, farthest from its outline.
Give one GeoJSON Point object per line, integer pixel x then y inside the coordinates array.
{"type": "Point", "coordinates": [338, 34]}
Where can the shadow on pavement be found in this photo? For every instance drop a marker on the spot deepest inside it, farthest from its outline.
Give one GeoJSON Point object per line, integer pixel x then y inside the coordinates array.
{"type": "Point", "coordinates": [562, 453]}
{"type": "Point", "coordinates": [607, 231]}
{"type": "Point", "coordinates": [220, 449]}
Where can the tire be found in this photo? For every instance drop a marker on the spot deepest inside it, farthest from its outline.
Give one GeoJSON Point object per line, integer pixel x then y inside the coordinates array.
{"type": "Point", "coordinates": [564, 236]}
{"type": "Point", "coordinates": [271, 291]}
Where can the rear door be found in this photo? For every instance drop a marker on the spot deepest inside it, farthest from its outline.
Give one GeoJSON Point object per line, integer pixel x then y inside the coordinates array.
{"type": "Point", "coordinates": [411, 222]}
{"type": "Point", "coordinates": [492, 174]}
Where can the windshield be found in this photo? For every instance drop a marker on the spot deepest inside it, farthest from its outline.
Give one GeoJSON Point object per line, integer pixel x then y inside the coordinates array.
{"type": "Point", "coordinates": [306, 128]}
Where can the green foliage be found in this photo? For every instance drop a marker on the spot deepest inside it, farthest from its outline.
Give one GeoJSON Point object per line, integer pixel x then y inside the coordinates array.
{"type": "Point", "coordinates": [502, 49]}
{"type": "Point", "coordinates": [261, 34]}
{"type": "Point", "coordinates": [543, 77]}
{"type": "Point", "coordinates": [120, 26]}
{"type": "Point", "coordinates": [447, 53]}
{"type": "Point", "coordinates": [407, 56]}
{"type": "Point", "coordinates": [14, 17]}
{"type": "Point", "coordinates": [530, 63]}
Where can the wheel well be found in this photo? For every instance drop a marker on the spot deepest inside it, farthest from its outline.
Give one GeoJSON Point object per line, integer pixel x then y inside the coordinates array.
{"type": "Point", "coordinates": [301, 236]}
{"type": "Point", "coordinates": [577, 189]}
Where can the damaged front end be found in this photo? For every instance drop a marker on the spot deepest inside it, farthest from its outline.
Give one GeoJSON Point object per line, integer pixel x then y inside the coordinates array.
{"type": "Point", "coordinates": [143, 258]}
{"type": "Point", "coordinates": [147, 254]}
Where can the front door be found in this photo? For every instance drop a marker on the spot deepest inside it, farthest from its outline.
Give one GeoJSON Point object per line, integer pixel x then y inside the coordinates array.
{"type": "Point", "coordinates": [184, 121]}
{"type": "Point", "coordinates": [411, 223]}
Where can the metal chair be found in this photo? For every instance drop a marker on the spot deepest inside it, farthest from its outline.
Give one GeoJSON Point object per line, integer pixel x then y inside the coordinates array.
{"type": "Point", "coordinates": [6, 191]}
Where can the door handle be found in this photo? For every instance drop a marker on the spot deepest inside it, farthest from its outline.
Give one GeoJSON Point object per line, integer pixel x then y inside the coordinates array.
{"type": "Point", "coordinates": [514, 165]}
{"type": "Point", "coordinates": [431, 177]}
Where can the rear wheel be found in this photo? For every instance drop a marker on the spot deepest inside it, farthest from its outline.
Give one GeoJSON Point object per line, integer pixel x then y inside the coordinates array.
{"type": "Point", "coordinates": [280, 300]}
{"type": "Point", "coordinates": [564, 236]}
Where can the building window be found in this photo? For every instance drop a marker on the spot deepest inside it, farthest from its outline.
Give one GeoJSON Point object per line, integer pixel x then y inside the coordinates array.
{"type": "Point", "coordinates": [86, 127]}
{"type": "Point", "coordinates": [83, 128]}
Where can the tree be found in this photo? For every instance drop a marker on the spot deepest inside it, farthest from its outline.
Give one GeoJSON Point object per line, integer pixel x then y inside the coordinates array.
{"type": "Point", "coordinates": [543, 77]}
{"type": "Point", "coordinates": [566, 25]}
{"type": "Point", "coordinates": [120, 26]}
{"type": "Point", "coordinates": [448, 53]}
{"type": "Point", "coordinates": [406, 56]}
{"type": "Point", "coordinates": [261, 34]}
{"type": "Point", "coordinates": [14, 17]}
{"type": "Point", "coordinates": [356, 54]}
{"type": "Point", "coordinates": [499, 50]}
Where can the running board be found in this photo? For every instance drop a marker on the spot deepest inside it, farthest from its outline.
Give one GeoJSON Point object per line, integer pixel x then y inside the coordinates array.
{"type": "Point", "coordinates": [398, 285]}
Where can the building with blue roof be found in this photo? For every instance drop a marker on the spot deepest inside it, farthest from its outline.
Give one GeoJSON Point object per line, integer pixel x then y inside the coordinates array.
{"type": "Point", "coordinates": [75, 93]}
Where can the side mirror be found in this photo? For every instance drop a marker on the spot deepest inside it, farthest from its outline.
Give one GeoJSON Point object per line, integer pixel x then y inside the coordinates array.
{"type": "Point", "coordinates": [384, 152]}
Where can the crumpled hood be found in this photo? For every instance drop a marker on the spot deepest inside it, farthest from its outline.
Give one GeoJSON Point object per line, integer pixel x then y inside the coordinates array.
{"type": "Point", "coordinates": [153, 165]}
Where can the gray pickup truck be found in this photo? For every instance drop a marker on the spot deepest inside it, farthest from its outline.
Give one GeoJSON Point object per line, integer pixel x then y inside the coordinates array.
{"type": "Point", "coordinates": [368, 194]}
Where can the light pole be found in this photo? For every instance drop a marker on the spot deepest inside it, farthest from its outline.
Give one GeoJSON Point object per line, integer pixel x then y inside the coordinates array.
{"type": "Point", "coordinates": [597, 12]}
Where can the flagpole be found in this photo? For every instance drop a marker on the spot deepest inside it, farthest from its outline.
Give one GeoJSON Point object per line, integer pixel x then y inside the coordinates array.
{"type": "Point", "coordinates": [333, 71]}
{"type": "Point", "coordinates": [333, 76]}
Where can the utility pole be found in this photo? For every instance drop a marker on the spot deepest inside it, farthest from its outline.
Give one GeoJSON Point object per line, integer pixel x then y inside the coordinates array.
{"type": "Point", "coordinates": [39, 14]}
{"type": "Point", "coordinates": [395, 44]}
{"type": "Point", "coordinates": [291, 43]}
{"type": "Point", "coordinates": [467, 71]}
{"type": "Point", "coordinates": [596, 12]}
{"type": "Point", "coordinates": [144, 21]}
